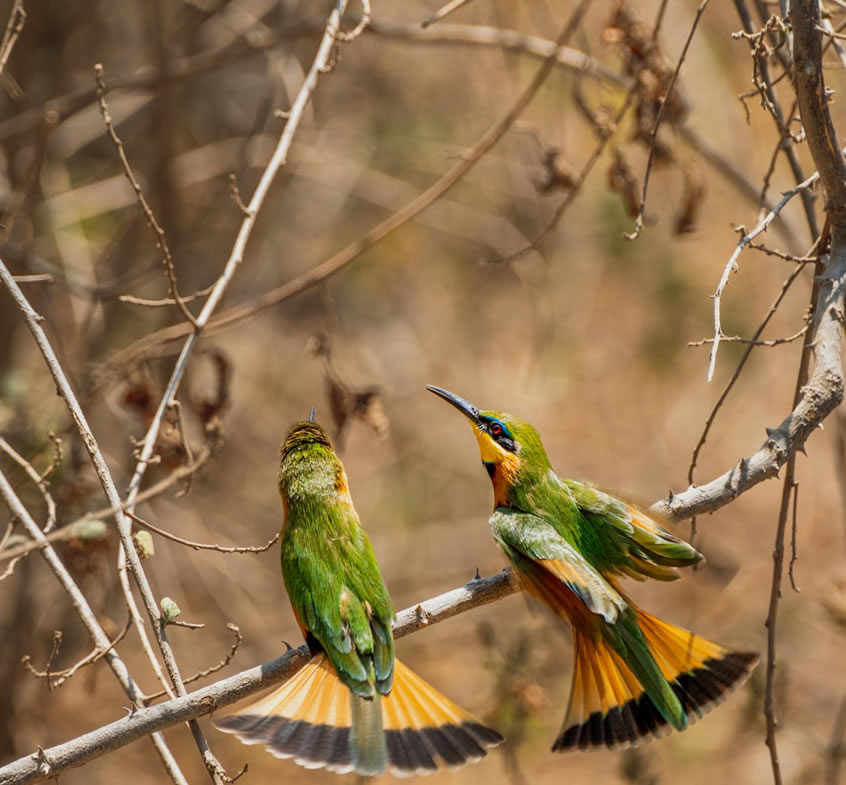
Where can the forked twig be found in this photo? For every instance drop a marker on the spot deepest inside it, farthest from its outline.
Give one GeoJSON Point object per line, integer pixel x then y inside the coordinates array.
{"type": "Point", "coordinates": [155, 226]}
{"type": "Point", "coordinates": [731, 265]}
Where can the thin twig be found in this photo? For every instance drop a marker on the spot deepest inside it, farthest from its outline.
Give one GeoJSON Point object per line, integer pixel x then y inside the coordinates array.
{"type": "Point", "coordinates": [712, 416]}
{"type": "Point", "coordinates": [63, 675]}
{"type": "Point", "coordinates": [214, 668]}
{"type": "Point", "coordinates": [731, 265]}
{"type": "Point", "coordinates": [155, 226]}
{"type": "Point", "coordinates": [188, 298]}
{"type": "Point", "coordinates": [771, 101]}
{"type": "Point", "coordinates": [794, 548]}
{"type": "Point", "coordinates": [653, 134]}
{"type": "Point", "coordinates": [37, 478]}
{"type": "Point", "coordinates": [788, 489]}
{"type": "Point", "coordinates": [70, 530]}
{"type": "Point", "coordinates": [788, 257]}
{"type": "Point", "coordinates": [197, 546]}
{"type": "Point", "coordinates": [14, 27]}
{"type": "Point", "coordinates": [35, 278]}
{"type": "Point", "coordinates": [363, 22]}
{"type": "Point", "coordinates": [443, 12]}
{"type": "Point", "coordinates": [752, 341]}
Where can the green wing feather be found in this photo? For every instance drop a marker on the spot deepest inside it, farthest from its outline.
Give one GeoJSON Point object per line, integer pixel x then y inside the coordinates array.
{"type": "Point", "coordinates": [652, 551]}
{"type": "Point", "coordinates": [526, 538]}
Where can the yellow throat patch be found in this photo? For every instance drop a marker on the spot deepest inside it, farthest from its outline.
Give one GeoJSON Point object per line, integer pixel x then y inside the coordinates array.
{"type": "Point", "coordinates": [507, 465]}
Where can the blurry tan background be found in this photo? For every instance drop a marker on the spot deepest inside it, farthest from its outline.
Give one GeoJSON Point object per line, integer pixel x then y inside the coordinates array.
{"type": "Point", "coordinates": [586, 339]}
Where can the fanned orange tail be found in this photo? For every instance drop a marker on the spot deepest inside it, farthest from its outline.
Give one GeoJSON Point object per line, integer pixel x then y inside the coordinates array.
{"type": "Point", "coordinates": [316, 720]}
{"type": "Point", "coordinates": [608, 705]}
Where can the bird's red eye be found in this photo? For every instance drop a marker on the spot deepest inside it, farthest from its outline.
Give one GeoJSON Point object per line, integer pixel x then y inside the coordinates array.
{"type": "Point", "coordinates": [496, 429]}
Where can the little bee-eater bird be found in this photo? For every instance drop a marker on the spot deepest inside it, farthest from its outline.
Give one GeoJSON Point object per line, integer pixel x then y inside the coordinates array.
{"type": "Point", "coordinates": [569, 543]}
{"type": "Point", "coordinates": [353, 706]}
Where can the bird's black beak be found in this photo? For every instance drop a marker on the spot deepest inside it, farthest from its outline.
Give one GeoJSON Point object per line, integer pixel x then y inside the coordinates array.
{"type": "Point", "coordinates": [313, 415]}
{"type": "Point", "coordinates": [465, 407]}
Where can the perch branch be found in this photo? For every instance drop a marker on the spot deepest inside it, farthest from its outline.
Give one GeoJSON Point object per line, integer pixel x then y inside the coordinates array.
{"type": "Point", "coordinates": [110, 737]}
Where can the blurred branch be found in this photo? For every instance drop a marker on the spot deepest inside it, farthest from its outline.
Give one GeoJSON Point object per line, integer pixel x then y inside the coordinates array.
{"type": "Point", "coordinates": [155, 226]}
{"type": "Point", "coordinates": [443, 12]}
{"type": "Point", "coordinates": [835, 750]}
{"type": "Point", "coordinates": [330, 266]}
{"type": "Point", "coordinates": [39, 481]}
{"type": "Point", "coordinates": [71, 530]}
{"type": "Point", "coordinates": [147, 77]}
{"type": "Point", "coordinates": [478, 592]}
{"type": "Point", "coordinates": [64, 106]}
{"type": "Point", "coordinates": [14, 27]}
{"type": "Point", "coordinates": [653, 134]}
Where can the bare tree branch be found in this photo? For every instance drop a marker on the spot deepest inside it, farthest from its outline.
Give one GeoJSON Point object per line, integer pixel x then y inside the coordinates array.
{"type": "Point", "coordinates": [825, 388]}
{"type": "Point", "coordinates": [731, 265]}
{"type": "Point", "coordinates": [50, 762]}
{"type": "Point", "coordinates": [155, 226]}
{"type": "Point", "coordinates": [83, 609]}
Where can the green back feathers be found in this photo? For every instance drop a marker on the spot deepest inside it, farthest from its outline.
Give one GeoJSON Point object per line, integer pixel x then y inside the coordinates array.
{"type": "Point", "coordinates": [328, 564]}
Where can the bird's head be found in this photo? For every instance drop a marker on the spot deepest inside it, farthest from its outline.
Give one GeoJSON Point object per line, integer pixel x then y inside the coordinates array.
{"type": "Point", "coordinates": [308, 466]}
{"type": "Point", "coordinates": [510, 448]}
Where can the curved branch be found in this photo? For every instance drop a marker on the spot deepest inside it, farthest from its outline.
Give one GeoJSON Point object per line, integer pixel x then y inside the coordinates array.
{"type": "Point", "coordinates": [46, 764]}
{"type": "Point", "coordinates": [825, 389]}
{"type": "Point", "coordinates": [821, 396]}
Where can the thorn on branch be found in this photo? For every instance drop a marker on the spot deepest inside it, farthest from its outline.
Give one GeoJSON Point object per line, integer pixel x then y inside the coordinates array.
{"type": "Point", "coordinates": [40, 758]}
{"type": "Point", "coordinates": [421, 615]}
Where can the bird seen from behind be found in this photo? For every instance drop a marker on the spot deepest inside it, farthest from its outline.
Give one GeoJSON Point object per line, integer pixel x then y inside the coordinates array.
{"type": "Point", "coordinates": [353, 706]}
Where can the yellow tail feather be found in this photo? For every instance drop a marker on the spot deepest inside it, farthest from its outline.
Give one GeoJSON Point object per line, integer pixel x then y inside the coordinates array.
{"type": "Point", "coordinates": [316, 720]}
{"type": "Point", "coordinates": [609, 707]}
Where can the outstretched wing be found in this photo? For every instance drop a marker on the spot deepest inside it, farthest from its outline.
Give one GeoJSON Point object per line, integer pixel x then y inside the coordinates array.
{"type": "Point", "coordinates": [552, 569]}
{"type": "Point", "coordinates": [653, 552]}
{"type": "Point", "coordinates": [340, 599]}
